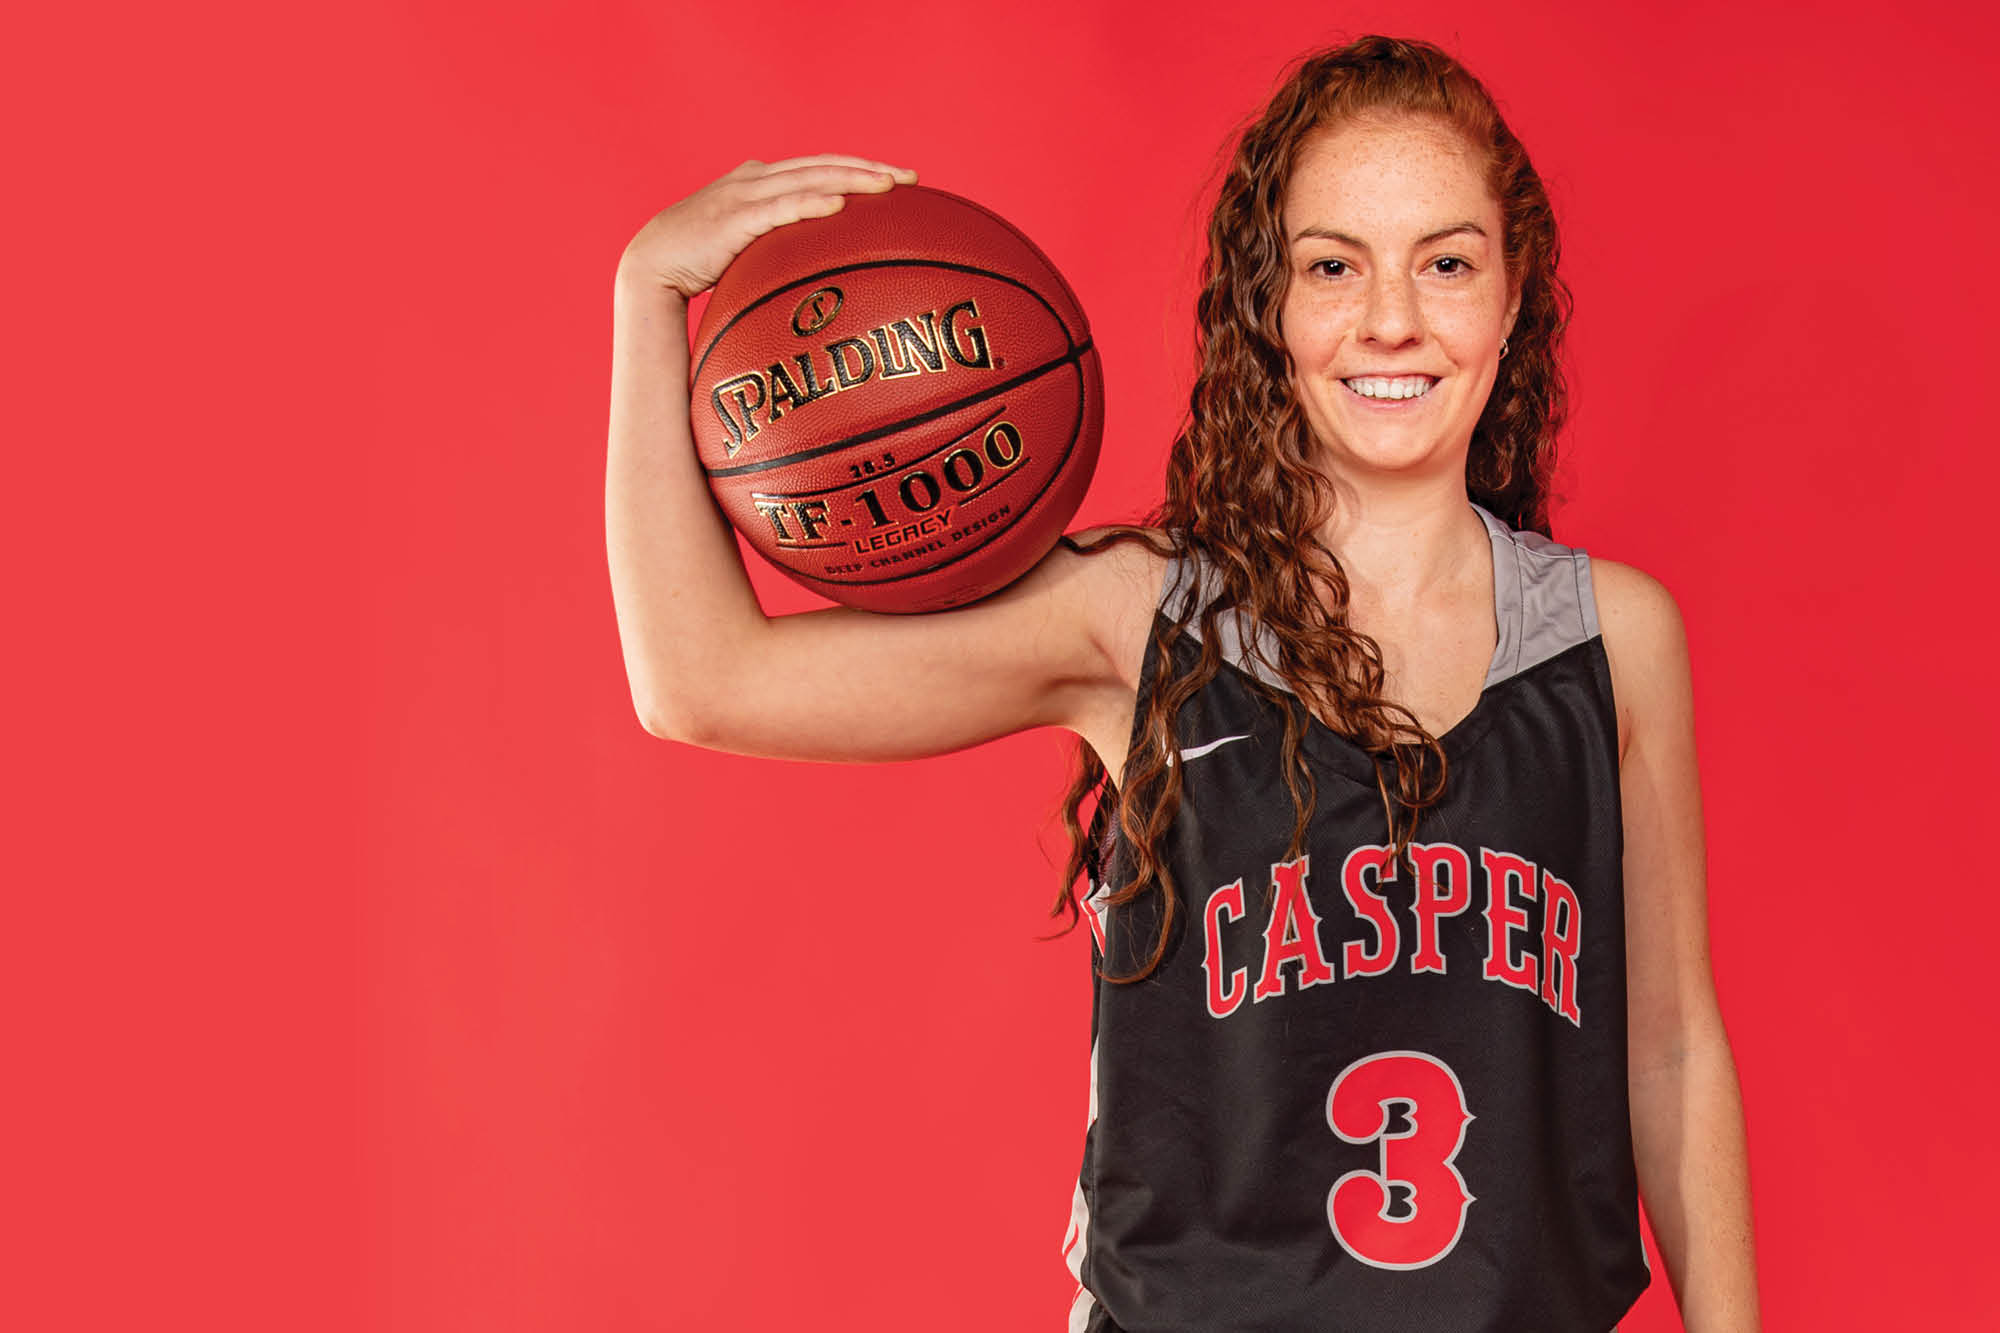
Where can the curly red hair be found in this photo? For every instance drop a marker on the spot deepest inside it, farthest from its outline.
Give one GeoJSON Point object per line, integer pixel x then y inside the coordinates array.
{"type": "Point", "coordinates": [1241, 491]}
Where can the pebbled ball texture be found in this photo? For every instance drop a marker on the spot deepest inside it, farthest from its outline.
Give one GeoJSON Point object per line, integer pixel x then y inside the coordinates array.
{"type": "Point", "coordinates": [898, 405]}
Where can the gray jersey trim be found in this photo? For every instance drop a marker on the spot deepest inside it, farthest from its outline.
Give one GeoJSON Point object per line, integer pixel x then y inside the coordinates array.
{"type": "Point", "coordinates": [1542, 597]}
{"type": "Point", "coordinates": [1185, 578]}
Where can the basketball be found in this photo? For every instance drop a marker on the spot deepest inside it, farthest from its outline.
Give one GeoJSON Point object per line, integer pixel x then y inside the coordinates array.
{"type": "Point", "coordinates": [898, 405]}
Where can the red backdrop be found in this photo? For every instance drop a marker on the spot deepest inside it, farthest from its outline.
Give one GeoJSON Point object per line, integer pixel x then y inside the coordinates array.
{"type": "Point", "coordinates": [369, 968]}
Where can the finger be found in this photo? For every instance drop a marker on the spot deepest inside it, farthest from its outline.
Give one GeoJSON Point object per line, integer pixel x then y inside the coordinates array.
{"type": "Point", "coordinates": [841, 160]}
{"type": "Point", "coordinates": [786, 208]}
{"type": "Point", "coordinates": [819, 180]}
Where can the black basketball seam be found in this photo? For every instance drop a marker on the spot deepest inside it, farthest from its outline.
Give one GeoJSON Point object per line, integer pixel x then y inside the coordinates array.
{"type": "Point", "coordinates": [776, 292]}
{"type": "Point", "coordinates": [1068, 290]}
{"type": "Point", "coordinates": [1073, 356]}
{"type": "Point", "coordinates": [1076, 433]}
{"type": "Point", "coordinates": [958, 439]}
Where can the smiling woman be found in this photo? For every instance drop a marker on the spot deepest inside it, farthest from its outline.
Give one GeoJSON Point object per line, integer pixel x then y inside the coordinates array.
{"type": "Point", "coordinates": [1341, 1077]}
{"type": "Point", "coordinates": [1374, 1082]}
{"type": "Point", "coordinates": [1393, 321]}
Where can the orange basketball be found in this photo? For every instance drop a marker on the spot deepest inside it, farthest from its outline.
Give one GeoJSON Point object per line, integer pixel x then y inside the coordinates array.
{"type": "Point", "coordinates": [899, 405]}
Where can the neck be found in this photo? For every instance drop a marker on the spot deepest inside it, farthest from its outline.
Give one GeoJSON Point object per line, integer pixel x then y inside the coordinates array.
{"type": "Point", "coordinates": [1399, 543]}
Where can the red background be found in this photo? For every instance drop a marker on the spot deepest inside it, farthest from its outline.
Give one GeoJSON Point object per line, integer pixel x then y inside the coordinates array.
{"type": "Point", "coordinates": [368, 967]}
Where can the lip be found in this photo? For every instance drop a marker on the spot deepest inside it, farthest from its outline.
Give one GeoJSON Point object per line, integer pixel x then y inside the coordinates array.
{"type": "Point", "coordinates": [1387, 404]}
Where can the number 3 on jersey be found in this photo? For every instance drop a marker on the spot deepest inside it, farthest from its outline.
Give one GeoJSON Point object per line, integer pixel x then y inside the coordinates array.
{"type": "Point", "coordinates": [1419, 1158]}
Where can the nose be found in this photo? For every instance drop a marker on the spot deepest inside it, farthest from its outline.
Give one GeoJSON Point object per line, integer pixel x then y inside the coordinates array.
{"type": "Point", "coordinates": [1391, 316]}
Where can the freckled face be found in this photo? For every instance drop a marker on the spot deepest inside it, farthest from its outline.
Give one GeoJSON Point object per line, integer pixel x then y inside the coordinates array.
{"type": "Point", "coordinates": [1376, 291]}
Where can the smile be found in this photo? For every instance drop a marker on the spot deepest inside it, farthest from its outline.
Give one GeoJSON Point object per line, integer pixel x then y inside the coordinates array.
{"type": "Point", "coordinates": [1402, 387]}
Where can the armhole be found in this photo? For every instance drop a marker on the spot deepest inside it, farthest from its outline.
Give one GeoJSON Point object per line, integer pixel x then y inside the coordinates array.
{"type": "Point", "coordinates": [1104, 828]}
{"type": "Point", "coordinates": [1586, 595]}
{"type": "Point", "coordinates": [1593, 628]}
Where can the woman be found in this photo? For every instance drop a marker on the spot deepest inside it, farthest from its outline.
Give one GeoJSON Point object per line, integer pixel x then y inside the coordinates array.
{"type": "Point", "coordinates": [1343, 1077]}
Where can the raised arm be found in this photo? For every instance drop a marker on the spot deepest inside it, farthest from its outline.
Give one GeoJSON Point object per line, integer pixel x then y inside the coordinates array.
{"type": "Point", "coordinates": [705, 664]}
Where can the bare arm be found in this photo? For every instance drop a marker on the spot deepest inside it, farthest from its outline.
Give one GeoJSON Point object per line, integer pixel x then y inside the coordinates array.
{"type": "Point", "coordinates": [1688, 1133]}
{"type": "Point", "coordinates": [684, 601]}
{"type": "Point", "coordinates": [704, 663]}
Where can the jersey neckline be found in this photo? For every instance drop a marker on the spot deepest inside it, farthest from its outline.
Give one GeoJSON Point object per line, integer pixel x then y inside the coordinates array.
{"type": "Point", "coordinates": [1346, 757]}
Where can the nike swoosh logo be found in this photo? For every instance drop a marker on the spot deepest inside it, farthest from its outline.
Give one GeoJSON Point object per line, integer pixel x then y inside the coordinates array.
{"type": "Point", "coordinates": [1197, 751]}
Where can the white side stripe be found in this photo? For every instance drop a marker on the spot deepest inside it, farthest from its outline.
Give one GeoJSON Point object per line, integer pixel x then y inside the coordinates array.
{"type": "Point", "coordinates": [1076, 1240]}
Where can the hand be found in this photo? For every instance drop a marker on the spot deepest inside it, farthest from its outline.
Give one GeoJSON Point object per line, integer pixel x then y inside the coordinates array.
{"type": "Point", "coordinates": [686, 247]}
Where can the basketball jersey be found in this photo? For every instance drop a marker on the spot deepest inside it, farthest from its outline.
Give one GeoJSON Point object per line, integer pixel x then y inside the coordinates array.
{"type": "Point", "coordinates": [1351, 1098]}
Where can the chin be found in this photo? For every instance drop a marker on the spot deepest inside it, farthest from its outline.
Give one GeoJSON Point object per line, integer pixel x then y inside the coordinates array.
{"type": "Point", "coordinates": [1385, 455]}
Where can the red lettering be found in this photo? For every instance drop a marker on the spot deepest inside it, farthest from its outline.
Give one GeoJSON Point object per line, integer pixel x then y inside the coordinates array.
{"type": "Point", "coordinates": [1292, 934]}
{"type": "Point", "coordinates": [1355, 959]}
{"type": "Point", "coordinates": [1507, 874]}
{"type": "Point", "coordinates": [1444, 888]}
{"type": "Point", "coordinates": [1222, 997]}
{"type": "Point", "coordinates": [1559, 947]}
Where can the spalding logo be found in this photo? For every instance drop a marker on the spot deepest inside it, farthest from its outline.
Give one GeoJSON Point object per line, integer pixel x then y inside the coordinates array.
{"type": "Point", "coordinates": [925, 342]}
{"type": "Point", "coordinates": [816, 311]}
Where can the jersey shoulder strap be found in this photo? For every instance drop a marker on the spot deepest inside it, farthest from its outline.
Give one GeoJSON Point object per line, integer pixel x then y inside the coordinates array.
{"type": "Point", "coordinates": [1542, 602]}
{"type": "Point", "coordinates": [1542, 598]}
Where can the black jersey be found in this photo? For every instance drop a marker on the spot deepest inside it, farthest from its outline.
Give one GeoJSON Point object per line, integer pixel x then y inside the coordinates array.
{"type": "Point", "coordinates": [1354, 1099]}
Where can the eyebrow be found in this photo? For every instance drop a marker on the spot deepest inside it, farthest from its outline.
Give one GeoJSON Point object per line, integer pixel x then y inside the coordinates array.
{"type": "Point", "coordinates": [1328, 234]}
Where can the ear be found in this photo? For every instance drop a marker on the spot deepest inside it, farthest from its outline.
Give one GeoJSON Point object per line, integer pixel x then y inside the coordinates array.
{"type": "Point", "coordinates": [1513, 311]}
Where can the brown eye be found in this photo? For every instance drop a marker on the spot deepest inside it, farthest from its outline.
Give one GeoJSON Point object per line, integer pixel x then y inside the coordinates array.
{"type": "Point", "coordinates": [1319, 266]}
{"type": "Point", "coordinates": [1453, 259]}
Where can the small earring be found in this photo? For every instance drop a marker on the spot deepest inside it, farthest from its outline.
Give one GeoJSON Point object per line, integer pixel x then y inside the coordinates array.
{"type": "Point", "coordinates": [1503, 349]}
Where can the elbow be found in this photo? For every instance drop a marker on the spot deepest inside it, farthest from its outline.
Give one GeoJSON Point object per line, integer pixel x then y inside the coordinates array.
{"type": "Point", "coordinates": [664, 726]}
{"type": "Point", "coordinates": [659, 723]}
{"type": "Point", "coordinates": [674, 724]}
{"type": "Point", "coordinates": [1703, 1044]}
{"type": "Point", "coordinates": [663, 714]}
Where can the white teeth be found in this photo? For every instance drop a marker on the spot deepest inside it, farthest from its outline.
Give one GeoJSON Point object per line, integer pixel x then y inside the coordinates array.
{"type": "Point", "coordinates": [1404, 386]}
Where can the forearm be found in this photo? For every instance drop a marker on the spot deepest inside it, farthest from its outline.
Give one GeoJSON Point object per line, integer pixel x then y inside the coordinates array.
{"type": "Point", "coordinates": [1693, 1163]}
{"type": "Point", "coordinates": [682, 595]}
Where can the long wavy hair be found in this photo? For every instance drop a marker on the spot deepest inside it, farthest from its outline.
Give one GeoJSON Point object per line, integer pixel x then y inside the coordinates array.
{"type": "Point", "coordinates": [1241, 491]}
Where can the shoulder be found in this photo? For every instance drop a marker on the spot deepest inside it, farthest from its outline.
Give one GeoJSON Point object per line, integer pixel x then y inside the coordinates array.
{"type": "Point", "coordinates": [1639, 604]}
{"type": "Point", "coordinates": [1645, 642]}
